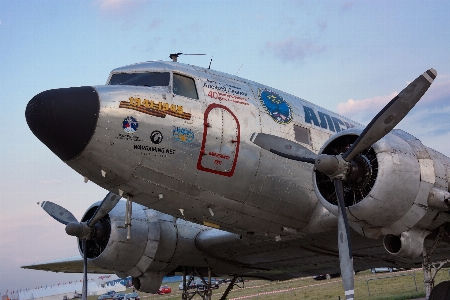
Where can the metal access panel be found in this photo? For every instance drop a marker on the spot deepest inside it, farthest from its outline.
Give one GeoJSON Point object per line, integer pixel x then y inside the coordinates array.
{"type": "Point", "coordinates": [221, 139]}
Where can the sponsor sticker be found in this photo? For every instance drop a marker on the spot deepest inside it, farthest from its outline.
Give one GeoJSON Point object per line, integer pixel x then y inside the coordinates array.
{"type": "Point", "coordinates": [153, 108]}
{"type": "Point", "coordinates": [156, 137]}
{"type": "Point", "coordinates": [183, 135]}
{"type": "Point", "coordinates": [128, 137]}
{"type": "Point", "coordinates": [275, 106]}
{"type": "Point", "coordinates": [155, 150]}
{"type": "Point", "coordinates": [130, 125]}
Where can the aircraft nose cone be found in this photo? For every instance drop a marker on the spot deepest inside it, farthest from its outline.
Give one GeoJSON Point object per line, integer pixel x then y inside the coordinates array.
{"type": "Point", "coordinates": [64, 119]}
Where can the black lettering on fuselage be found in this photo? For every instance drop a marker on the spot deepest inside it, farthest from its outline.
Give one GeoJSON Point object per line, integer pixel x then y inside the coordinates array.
{"type": "Point", "coordinates": [310, 116]}
{"type": "Point", "coordinates": [326, 121]}
{"type": "Point", "coordinates": [338, 122]}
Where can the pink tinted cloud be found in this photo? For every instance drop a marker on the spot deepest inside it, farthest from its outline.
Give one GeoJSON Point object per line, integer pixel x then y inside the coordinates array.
{"type": "Point", "coordinates": [363, 110]}
{"type": "Point", "coordinates": [347, 5]}
{"type": "Point", "coordinates": [116, 7]}
{"type": "Point", "coordinates": [154, 24]}
{"type": "Point", "coordinates": [292, 49]}
{"type": "Point", "coordinates": [369, 105]}
{"type": "Point", "coordinates": [322, 25]}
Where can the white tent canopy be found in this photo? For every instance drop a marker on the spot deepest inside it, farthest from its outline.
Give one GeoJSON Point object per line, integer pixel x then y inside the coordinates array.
{"type": "Point", "coordinates": [57, 292]}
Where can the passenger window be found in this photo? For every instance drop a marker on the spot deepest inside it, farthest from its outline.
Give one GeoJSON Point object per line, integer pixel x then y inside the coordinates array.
{"type": "Point", "coordinates": [184, 86]}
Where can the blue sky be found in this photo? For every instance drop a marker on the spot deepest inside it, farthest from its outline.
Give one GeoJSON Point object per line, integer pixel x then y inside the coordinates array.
{"type": "Point", "coordinates": [347, 56]}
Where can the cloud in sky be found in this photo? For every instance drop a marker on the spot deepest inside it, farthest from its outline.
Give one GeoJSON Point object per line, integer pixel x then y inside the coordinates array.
{"type": "Point", "coordinates": [347, 5]}
{"type": "Point", "coordinates": [364, 110]}
{"type": "Point", "coordinates": [322, 25]}
{"type": "Point", "coordinates": [360, 110]}
{"type": "Point", "coordinates": [292, 49]}
{"type": "Point", "coordinates": [427, 121]}
{"type": "Point", "coordinates": [116, 7]}
{"type": "Point", "coordinates": [154, 24]}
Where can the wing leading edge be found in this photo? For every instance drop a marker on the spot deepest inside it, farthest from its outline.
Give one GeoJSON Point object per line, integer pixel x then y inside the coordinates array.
{"type": "Point", "coordinates": [67, 265]}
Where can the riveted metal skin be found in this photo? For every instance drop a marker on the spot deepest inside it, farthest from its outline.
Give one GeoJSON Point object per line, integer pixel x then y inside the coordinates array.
{"type": "Point", "coordinates": [192, 162]}
{"type": "Point", "coordinates": [221, 121]}
{"type": "Point", "coordinates": [220, 149]}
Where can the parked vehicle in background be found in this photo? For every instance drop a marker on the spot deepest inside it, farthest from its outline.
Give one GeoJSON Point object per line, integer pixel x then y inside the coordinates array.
{"type": "Point", "coordinates": [107, 296]}
{"type": "Point", "coordinates": [131, 296]}
{"type": "Point", "coordinates": [197, 283]}
{"type": "Point", "coordinates": [191, 286]}
{"type": "Point", "coordinates": [326, 276]}
{"type": "Point", "coordinates": [201, 286]}
{"type": "Point", "coordinates": [165, 289]}
{"type": "Point", "coordinates": [224, 280]}
{"type": "Point", "coordinates": [228, 280]}
{"type": "Point", "coordinates": [383, 270]}
{"type": "Point", "coordinates": [119, 296]}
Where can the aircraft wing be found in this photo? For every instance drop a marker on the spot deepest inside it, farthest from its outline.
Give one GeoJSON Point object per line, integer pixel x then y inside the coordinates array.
{"type": "Point", "coordinates": [67, 265]}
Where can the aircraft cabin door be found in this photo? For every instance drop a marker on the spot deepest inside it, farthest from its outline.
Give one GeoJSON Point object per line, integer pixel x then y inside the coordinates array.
{"type": "Point", "coordinates": [220, 143]}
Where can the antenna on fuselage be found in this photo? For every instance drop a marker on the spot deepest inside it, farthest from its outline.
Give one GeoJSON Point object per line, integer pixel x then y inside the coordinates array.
{"type": "Point", "coordinates": [174, 56]}
{"type": "Point", "coordinates": [210, 61]}
{"type": "Point", "coordinates": [239, 69]}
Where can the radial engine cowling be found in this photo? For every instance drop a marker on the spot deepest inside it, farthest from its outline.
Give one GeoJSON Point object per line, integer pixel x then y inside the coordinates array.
{"type": "Point", "coordinates": [383, 184]}
{"type": "Point", "coordinates": [110, 249]}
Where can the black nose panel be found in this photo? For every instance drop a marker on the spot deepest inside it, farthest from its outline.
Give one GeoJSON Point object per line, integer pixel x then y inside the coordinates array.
{"type": "Point", "coordinates": [64, 119]}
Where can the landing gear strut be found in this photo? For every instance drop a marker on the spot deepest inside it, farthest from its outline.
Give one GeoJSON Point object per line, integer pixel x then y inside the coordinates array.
{"type": "Point", "coordinates": [205, 292]}
{"type": "Point", "coordinates": [230, 287]}
{"type": "Point", "coordinates": [430, 268]}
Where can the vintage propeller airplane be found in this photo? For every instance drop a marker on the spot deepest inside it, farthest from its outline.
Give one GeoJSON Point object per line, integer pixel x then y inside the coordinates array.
{"type": "Point", "coordinates": [230, 177]}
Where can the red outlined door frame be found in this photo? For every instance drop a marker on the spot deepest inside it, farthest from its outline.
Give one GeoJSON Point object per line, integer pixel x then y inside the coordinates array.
{"type": "Point", "coordinates": [205, 133]}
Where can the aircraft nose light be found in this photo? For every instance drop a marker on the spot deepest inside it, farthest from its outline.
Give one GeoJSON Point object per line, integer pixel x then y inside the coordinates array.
{"type": "Point", "coordinates": [64, 119]}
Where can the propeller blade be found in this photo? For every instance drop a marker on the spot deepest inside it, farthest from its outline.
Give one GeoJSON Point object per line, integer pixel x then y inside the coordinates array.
{"type": "Point", "coordinates": [391, 114]}
{"type": "Point", "coordinates": [58, 213]}
{"type": "Point", "coordinates": [105, 207]}
{"type": "Point", "coordinates": [283, 147]}
{"type": "Point", "coordinates": [344, 244]}
{"type": "Point", "coordinates": [85, 283]}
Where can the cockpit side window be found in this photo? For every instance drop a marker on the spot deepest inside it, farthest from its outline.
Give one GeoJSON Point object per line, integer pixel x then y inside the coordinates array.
{"type": "Point", "coordinates": [141, 79]}
{"type": "Point", "coordinates": [184, 86]}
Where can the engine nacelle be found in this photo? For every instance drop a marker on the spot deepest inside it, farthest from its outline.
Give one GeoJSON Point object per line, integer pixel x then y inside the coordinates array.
{"type": "Point", "coordinates": [131, 257]}
{"type": "Point", "coordinates": [388, 184]}
{"type": "Point", "coordinates": [395, 185]}
{"type": "Point", "coordinates": [149, 254]}
{"type": "Point", "coordinates": [159, 244]}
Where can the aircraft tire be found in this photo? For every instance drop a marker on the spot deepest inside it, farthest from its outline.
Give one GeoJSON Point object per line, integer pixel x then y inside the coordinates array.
{"type": "Point", "coordinates": [441, 291]}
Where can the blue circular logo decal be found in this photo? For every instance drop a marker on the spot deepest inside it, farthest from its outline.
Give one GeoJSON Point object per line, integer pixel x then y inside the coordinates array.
{"type": "Point", "coordinates": [183, 135]}
{"type": "Point", "coordinates": [276, 106]}
{"type": "Point", "coordinates": [130, 125]}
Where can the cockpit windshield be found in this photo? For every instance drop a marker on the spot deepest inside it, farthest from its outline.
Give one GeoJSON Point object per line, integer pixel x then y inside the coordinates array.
{"type": "Point", "coordinates": [141, 79]}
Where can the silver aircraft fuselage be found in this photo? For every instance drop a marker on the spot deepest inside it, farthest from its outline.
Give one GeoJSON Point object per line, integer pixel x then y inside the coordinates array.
{"type": "Point", "coordinates": [179, 139]}
{"type": "Point", "coordinates": [192, 158]}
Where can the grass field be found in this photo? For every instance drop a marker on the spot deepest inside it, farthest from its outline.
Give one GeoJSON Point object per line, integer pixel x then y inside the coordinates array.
{"type": "Point", "coordinates": [384, 286]}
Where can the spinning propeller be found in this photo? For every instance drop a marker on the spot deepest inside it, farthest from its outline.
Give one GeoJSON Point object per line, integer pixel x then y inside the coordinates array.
{"type": "Point", "coordinates": [90, 230]}
{"type": "Point", "coordinates": [345, 167]}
